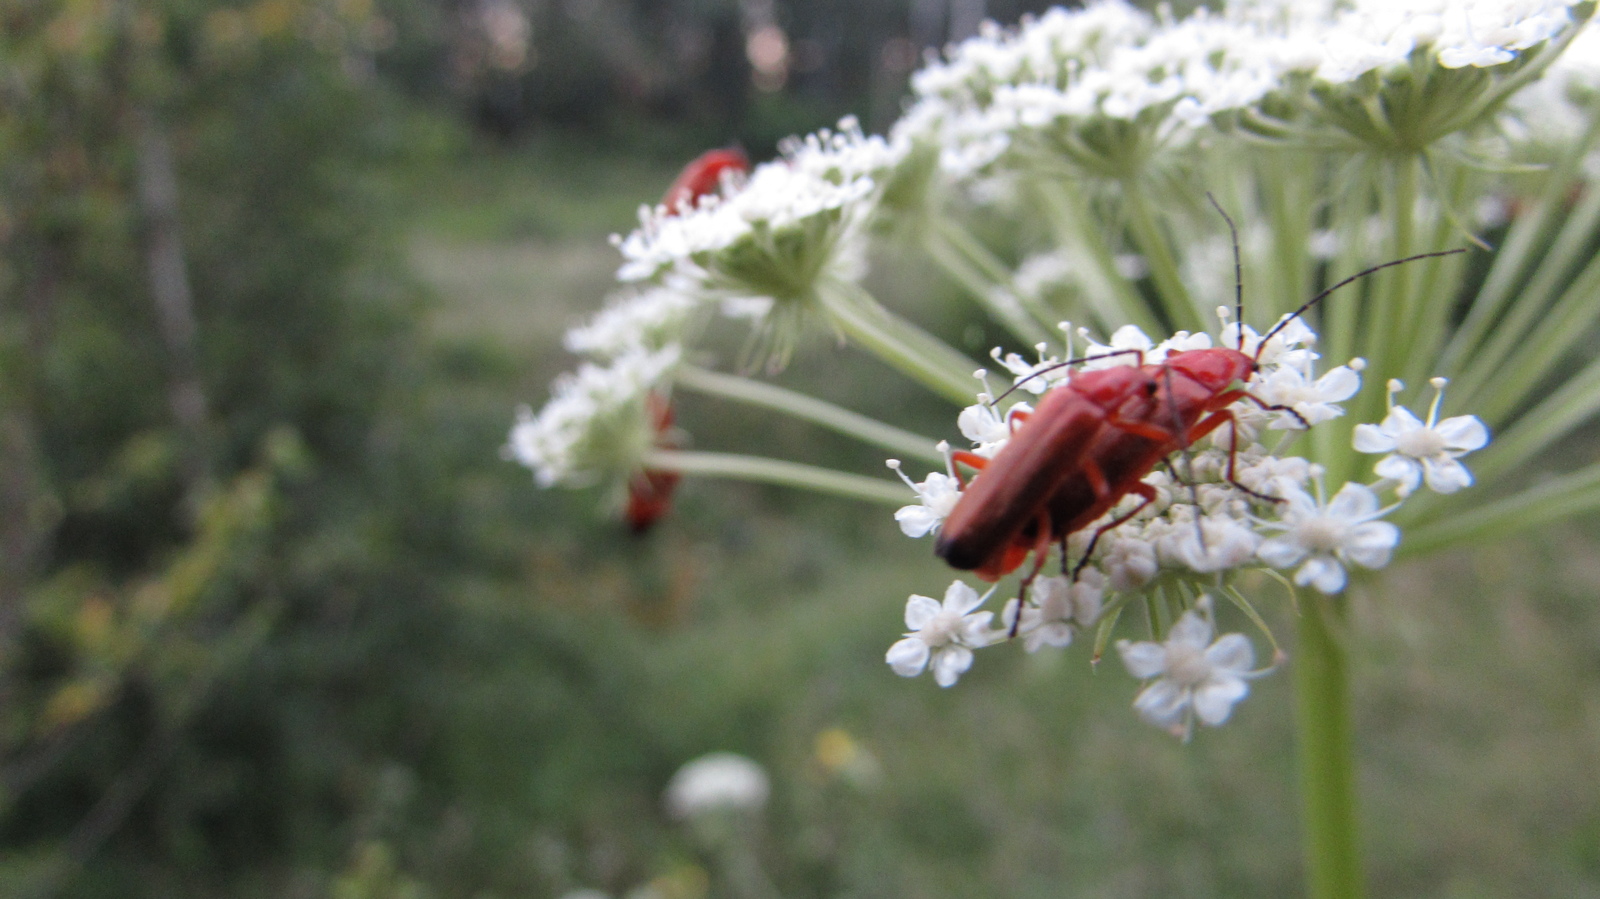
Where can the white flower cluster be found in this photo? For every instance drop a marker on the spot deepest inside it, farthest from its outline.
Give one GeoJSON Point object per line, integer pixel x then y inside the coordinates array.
{"type": "Point", "coordinates": [776, 231]}
{"type": "Point", "coordinates": [1273, 512]}
{"type": "Point", "coordinates": [598, 421]}
{"type": "Point", "coordinates": [1556, 107]}
{"type": "Point", "coordinates": [1072, 82]}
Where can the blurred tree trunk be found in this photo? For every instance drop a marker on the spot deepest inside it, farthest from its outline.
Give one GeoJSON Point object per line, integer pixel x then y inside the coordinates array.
{"type": "Point", "coordinates": [169, 288]}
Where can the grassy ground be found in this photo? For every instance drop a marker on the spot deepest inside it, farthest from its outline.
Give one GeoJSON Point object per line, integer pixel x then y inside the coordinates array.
{"type": "Point", "coordinates": [755, 620]}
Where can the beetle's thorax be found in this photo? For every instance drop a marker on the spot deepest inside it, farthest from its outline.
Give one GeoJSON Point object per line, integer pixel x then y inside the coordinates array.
{"type": "Point", "coordinates": [1215, 369]}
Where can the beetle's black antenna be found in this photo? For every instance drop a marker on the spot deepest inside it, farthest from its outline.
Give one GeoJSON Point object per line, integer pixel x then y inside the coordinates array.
{"type": "Point", "coordinates": [1355, 277]}
{"type": "Point", "coordinates": [1238, 270]}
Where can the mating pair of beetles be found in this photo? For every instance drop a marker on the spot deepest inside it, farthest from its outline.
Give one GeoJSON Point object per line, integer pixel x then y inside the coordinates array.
{"type": "Point", "coordinates": [1092, 440]}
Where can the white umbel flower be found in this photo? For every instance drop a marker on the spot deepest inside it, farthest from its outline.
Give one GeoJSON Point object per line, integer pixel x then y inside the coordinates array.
{"type": "Point", "coordinates": [942, 635]}
{"type": "Point", "coordinates": [1194, 678]}
{"type": "Point", "coordinates": [596, 423]}
{"type": "Point", "coordinates": [1421, 451]}
{"type": "Point", "coordinates": [1320, 539]}
{"type": "Point", "coordinates": [777, 233]}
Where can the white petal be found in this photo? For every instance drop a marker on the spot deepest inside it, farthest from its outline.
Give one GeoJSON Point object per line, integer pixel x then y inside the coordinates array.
{"type": "Point", "coordinates": [920, 611]}
{"type": "Point", "coordinates": [1400, 421]}
{"type": "Point", "coordinates": [1372, 439]}
{"type": "Point", "coordinates": [1142, 659]}
{"type": "Point", "coordinates": [1280, 552]}
{"type": "Point", "coordinates": [1403, 470]}
{"type": "Point", "coordinates": [961, 598]}
{"type": "Point", "coordinates": [1353, 501]}
{"type": "Point", "coordinates": [1213, 700]}
{"type": "Point", "coordinates": [1338, 384]}
{"type": "Point", "coordinates": [950, 663]}
{"type": "Point", "coordinates": [1231, 652]}
{"type": "Point", "coordinates": [916, 521]}
{"type": "Point", "coordinates": [975, 629]}
{"type": "Point", "coordinates": [1463, 432]}
{"type": "Point", "coordinates": [908, 657]}
{"type": "Point", "coordinates": [1297, 503]}
{"type": "Point", "coordinates": [981, 424]}
{"type": "Point", "coordinates": [1370, 545]}
{"type": "Point", "coordinates": [1161, 703]}
{"type": "Point", "coordinates": [1056, 633]}
{"type": "Point", "coordinates": [1446, 475]}
{"type": "Point", "coordinates": [1191, 629]}
{"type": "Point", "coordinates": [1323, 573]}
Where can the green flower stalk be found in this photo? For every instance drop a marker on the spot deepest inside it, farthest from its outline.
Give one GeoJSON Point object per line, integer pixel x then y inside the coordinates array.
{"type": "Point", "coordinates": [1342, 138]}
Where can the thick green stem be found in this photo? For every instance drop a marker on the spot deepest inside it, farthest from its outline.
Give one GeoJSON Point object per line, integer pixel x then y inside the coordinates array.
{"type": "Point", "coordinates": [1327, 756]}
{"type": "Point", "coordinates": [1153, 242]}
{"type": "Point", "coordinates": [777, 471]}
{"type": "Point", "coordinates": [988, 281]}
{"type": "Point", "coordinates": [904, 346]}
{"type": "Point", "coordinates": [1109, 296]}
{"type": "Point", "coordinates": [835, 418]}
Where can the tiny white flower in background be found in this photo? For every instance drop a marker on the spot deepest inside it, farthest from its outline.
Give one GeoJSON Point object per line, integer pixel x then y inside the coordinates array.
{"type": "Point", "coordinates": [1194, 678]}
{"type": "Point", "coordinates": [937, 496]}
{"type": "Point", "coordinates": [942, 635]}
{"type": "Point", "coordinates": [1422, 451]}
{"type": "Point", "coordinates": [1320, 539]}
{"type": "Point", "coordinates": [715, 782]}
{"type": "Point", "coordinates": [585, 894]}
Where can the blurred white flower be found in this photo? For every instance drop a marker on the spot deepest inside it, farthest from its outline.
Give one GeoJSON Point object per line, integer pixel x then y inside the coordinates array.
{"type": "Point", "coordinates": [597, 422]}
{"type": "Point", "coordinates": [1215, 544]}
{"type": "Point", "coordinates": [647, 319]}
{"type": "Point", "coordinates": [716, 782]}
{"type": "Point", "coordinates": [1314, 399]}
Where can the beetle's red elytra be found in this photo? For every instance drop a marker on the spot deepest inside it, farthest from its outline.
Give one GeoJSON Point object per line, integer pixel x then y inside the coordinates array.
{"type": "Point", "coordinates": [1090, 443]}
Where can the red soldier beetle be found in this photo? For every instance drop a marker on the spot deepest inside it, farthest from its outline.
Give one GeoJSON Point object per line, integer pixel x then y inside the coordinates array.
{"type": "Point", "coordinates": [1092, 441]}
{"type": "Point", "coordinates": [649, 489]}
{"type": "Point", "coordinates": [702, 176]}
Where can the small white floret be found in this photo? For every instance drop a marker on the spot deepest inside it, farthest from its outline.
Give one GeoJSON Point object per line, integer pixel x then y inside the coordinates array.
{"type": "Point", "coordinates": [1421, 451]}
{"type": "Point", "coordinates": [1193, 677]}
{"type": "Point", "coordinates": [1321, 538]}
{"type": "Point", "coordinates": [941, 636]}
